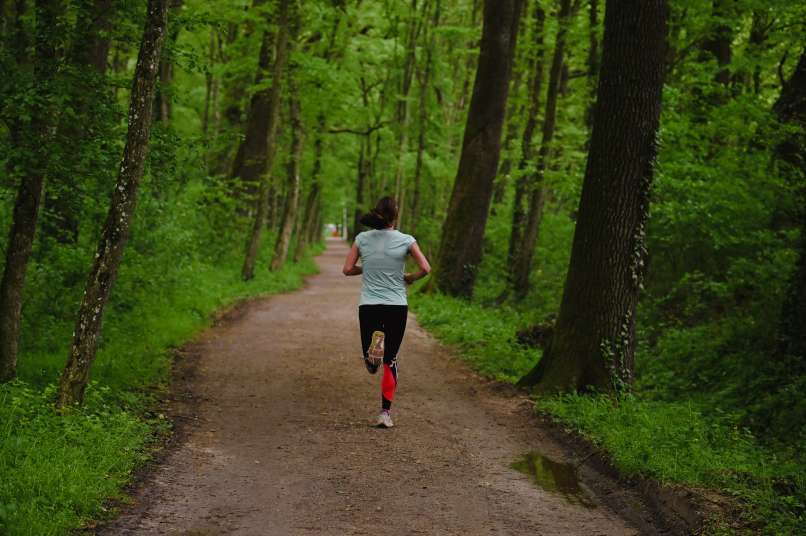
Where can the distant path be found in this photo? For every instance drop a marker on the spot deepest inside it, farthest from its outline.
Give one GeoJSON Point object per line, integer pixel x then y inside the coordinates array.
{"type": "Point", "coordinates": [278, 441]}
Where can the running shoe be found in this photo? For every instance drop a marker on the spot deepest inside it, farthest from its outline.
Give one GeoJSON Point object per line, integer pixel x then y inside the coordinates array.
{"type": "Point", "coordinates": [384, 420]}
{"type": "Point", "coordinates": [371, 368]}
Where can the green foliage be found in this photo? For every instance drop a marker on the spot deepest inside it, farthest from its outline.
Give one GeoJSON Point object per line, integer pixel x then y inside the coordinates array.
{"type": "Point", "coordinates": [484, 338]}
{"type": "Point", "coordinates": [675, 443]}
{"type": "Point", "coordinates": [56, 472]}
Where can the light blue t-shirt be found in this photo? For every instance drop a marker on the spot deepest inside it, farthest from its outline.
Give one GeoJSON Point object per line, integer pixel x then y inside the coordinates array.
{"type": "Point", "coordinates": [383, 256]}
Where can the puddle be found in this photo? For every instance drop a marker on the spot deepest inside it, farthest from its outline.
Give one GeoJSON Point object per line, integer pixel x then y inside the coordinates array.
{"type": "Point", "coordinates": [554, 477]}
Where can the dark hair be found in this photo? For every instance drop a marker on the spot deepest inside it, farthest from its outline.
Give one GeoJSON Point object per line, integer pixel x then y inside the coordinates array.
{"type": "Point", "coordinates": [382, 216]}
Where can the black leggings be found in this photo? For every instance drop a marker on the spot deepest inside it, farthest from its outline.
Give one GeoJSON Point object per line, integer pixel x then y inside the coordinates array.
{"type": "Point", "coordinates": [391, 319]}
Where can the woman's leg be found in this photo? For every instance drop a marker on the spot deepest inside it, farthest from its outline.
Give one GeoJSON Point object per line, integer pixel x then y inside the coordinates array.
{"type": "Point", "coordinates": [394, 322]}
{"type": "Point", "coordinates": [369, 320]}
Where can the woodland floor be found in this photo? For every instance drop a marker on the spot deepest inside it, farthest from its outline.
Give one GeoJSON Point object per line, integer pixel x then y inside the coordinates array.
{"type": "Point", "coordinates": [274, 407]}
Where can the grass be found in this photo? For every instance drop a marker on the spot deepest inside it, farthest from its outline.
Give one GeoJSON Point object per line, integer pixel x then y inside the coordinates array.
{"type": "Point", "coordinates": [671, 441]}
{"type": "Point", "coordinates": [57, 473]}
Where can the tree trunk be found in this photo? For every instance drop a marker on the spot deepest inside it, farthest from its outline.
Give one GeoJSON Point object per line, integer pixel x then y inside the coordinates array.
{"type": "Point", "coordinates": [424, 82]}
{"type": "Point", "coordinates": [463, 232]}
{"type": "Point", "coordinates": [93, 27]}
{"type": "Point", "coordinates": [30, 143]}
{"type": "Point", "coordinates": [88, 56]}
{"type": "Point", "coordinates": [593, 58]}
{"type": "Point", "coordinates": [269, 132]}
{"type": "Point", "coordinates": [719, 42]}
{"type": "Point", "coordinates": [121, 211]}
{"type": "Point", "coordinates": [522, 184]}
{"type": "Point", "coordinates": [361, 181]}
{"type": "Point", "coordinates": [402, 108]}
{"type": "Point", "coordinates": [594, 340]}
{"type": "Point", "coordinates": [791, 109]}
{"type": "Point", "coordinates": [208, 85]}
{"type": "Point", "coordinates": [163, 105]}
{"type": "Point", "coordinates": [521, 264]}
{"type": "Point", "coordinates": [512, 119]}
{"type": "Point", "coordinates": [292, 186]}
{"type": "Point", "coordinates": [312, 200]}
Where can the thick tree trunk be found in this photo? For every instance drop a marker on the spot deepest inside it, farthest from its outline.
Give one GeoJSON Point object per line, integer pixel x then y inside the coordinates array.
{"type": "Point", "coordinates": [522, 184]}
{"type": "Point", "coordinates": [121, 211]}
{"type": "Point", "coordinates": [30, 144]}
{"type": "Point", "coordinates": [269, 131]}
{"type": "Point", "coordinates": [292, 185]}
{"type": "Point", "coordinates": [251, 158]}
{"type": "Point", "coordinates": [521, 263]}
{"type": "Point", "coordinates": [594, 340]}
{"type": "Point", "coordinates": [463, 232]}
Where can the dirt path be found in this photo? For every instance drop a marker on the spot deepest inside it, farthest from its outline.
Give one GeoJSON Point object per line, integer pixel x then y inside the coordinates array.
{"type": "Point", "coordinates": [279, 439]}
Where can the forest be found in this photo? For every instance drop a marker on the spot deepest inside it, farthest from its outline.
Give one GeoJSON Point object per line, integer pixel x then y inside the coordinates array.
{"type": "Point", "coordinates": [612, 194]}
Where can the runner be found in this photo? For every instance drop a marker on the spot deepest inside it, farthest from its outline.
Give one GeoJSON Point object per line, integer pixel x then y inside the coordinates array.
{"type": "Point", "coordinates": [383, 307]}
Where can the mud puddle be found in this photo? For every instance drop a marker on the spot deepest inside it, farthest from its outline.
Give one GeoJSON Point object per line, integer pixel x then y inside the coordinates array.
{"type": "Point", "coordinates": [554, 477]}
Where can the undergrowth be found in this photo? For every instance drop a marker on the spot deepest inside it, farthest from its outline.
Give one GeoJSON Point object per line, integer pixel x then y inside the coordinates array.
{"type": "Point", "coordinates": [672, 441]}
{"type": "Point", "coordinates": [57, 473]}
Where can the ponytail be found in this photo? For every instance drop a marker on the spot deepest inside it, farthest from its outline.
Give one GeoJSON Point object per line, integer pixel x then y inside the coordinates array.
{"type": "Point", "coordinates": [382, 216]}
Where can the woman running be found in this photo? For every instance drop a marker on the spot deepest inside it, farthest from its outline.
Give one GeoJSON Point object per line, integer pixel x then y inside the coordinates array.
{"type": "Point", "coordinates": [383, 306]}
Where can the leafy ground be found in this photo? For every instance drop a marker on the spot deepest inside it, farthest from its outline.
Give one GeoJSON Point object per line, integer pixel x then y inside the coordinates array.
{"type": "Point", "coordinates": [57, 473]}
{"type": "Point", "coordinates": [671, 441]}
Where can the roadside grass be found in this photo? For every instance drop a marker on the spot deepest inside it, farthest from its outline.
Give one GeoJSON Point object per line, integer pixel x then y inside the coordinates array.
{"type": "Point", "coordinates": [670, 441]}
{"type": "Point", "coordinates": [57, 472]}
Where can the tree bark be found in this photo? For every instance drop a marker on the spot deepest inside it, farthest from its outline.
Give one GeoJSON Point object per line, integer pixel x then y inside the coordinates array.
{"type": "Point", "coordinates": [93, 27]}
{"type": "Point", "coordinates": [312, 200]}
{"type": "Point", "coordinates": [115, 232]}
{"type": "Point", "coordinates": [463, 232]}
{"type": "Point", "coordinates": [88, 55]}
{"type": "Point", "coordinates": [164, 93]}
{"type": "Point", "coordinates": [521, 264]}
{"type": "Point", "coordinates": [424, 81]}
{"type": "Point", "coordinates": [791, 109]}
{"type": "Point", "coordinates": [594, 340]}
{"type": "Point", "coordinates": [522, 184]}
{"type": "Point", "coordinates": [292, 185]}
{"type": "Point", "coordinates": [270, 140]}
{"type": "Point", "coordinates": [30, 143]}
{"type": "Point", "coordinates": [593, 58]}
{"type": "Point", "coordinates": [719, 42]}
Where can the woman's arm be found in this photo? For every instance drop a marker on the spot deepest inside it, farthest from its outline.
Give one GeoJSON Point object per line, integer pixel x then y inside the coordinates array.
{"type": "Point", "coordinates": [422, 262]}
{"type": "Point", "coordinates": [349, 263]}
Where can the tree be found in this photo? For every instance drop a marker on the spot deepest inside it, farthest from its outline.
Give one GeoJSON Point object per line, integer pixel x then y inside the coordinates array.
{"type": "Point", "coordinates": [115, 231]}
{"type": "Point", "coordinates": [273, 118]}
{"type": "Point", "coordinates": [594, 340]}
{"type": "Point", "coordinates": [522, 183]}
{"type": "Point", "coordinates": [463, 232]}
{"type": "Point", "coordinates": [521, 263]}
{"type": "Point", "coordinates": [292, 184]}
{"type": "Point", "coordinates": [253, 155]}
{"type": "Point", "coordinates": [30, 142]}
{"type": "Point", "coordinates": [791, 108]}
